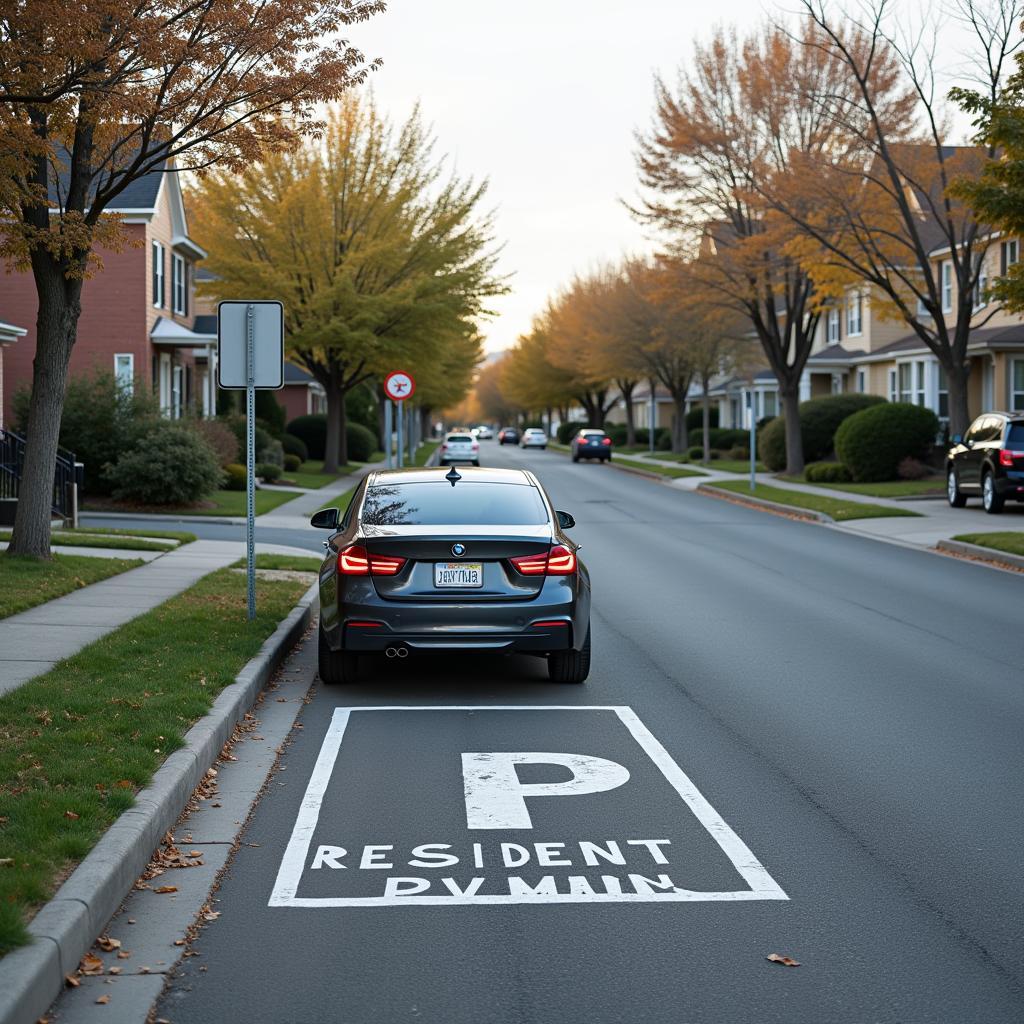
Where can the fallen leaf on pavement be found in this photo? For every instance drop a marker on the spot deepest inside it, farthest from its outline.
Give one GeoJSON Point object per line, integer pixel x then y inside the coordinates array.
{"type": "Point", "coordinates": [71, 981]}
{"type": "Point", "coordinates": [123, 954]}
{"type": "Point", "coordinates": [103, 1000]}
{"type": "Point", "coordinates": [179, 942]}
{"type": "Point", "coordinates": [211, 915]}
{"type": "Point", "coordinates": [166, 888]}
{"type": "Point", "coordinates": [786, 961]}
{"type": "Point", "coordinates": [113, 970]}
{"type": "Point", "coordinates": [107, 944]}
{"type": "Point", "coordinates": [91, 964]}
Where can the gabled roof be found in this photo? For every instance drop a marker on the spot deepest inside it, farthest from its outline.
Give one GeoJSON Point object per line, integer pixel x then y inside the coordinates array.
{"type": "Point", "coordinates": [140, 194]}
{"type": "Point", "coordinates": [296, 375]}
{"type": "Point", "coordinates": [205, 323]}
{"type": "Point", "coordinates": [834, 354]}
{"type": "Point", "coordinates": [168, 332]}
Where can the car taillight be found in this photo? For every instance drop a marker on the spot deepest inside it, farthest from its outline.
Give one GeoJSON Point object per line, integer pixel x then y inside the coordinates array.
{"type": "Point", "coordinates": [356, 561]}
{"type": "Point", "coordinates": [559, 561]}
{"type": "Point", "coordinates": [1006, 457]}
{"type": "Point", "coordinates": [444, 445]}
{"type": "Point", "coordinates": [475, 446]}
{"type": "Point", "coordinates": [607, 440]}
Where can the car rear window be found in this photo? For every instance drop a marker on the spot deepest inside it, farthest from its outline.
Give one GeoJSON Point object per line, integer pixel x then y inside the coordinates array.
{"type": "Point", "coordinates": [1015, 438]}
{"type": "Point", "coordinates": [465, 504]}
{"type": "Point", "coordinates": [591, 433]}
{"type": "Point", "coordinates": [459, 437]}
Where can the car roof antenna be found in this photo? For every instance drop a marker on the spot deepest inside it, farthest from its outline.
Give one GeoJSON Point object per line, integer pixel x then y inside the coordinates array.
{"type": "Point", "coordinates": [452, 476]}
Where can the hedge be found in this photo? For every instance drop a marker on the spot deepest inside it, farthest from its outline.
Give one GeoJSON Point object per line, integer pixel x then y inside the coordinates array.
{"type": "Point", "coordinates": [568, 430]}
{"type": "Point", "coordinates": [311, 430]}
{"type": "Point", "coordinates": [873, 442]}
{"type": "Point", "coordinates": [721, 438]}
{"type": "Point", "coordinates": [293, 445]}
{"type": "Point", "coordinates": [170, 465]}
{"type": "Point", "coordinates": [827, 473]}
{"type": "Point", "coordinates": [695, 417]}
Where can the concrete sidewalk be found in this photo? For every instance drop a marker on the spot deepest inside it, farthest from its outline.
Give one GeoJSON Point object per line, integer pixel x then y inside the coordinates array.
{"type": "Point", "coordinates": [32, 642]}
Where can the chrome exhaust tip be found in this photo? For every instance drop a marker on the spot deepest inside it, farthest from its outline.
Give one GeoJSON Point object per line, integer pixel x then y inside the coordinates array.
{"type": "Point", "coordinates": [403, 652]}
{"type": "Point", "coordinates": [391, 652]}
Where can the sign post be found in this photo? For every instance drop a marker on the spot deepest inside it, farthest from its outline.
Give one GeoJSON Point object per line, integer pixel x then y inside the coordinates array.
{"type": "Point", "coordinates": [250, 355]}
{"type": "Point", "coordinates": [753, 440]}
{"type": "Point", "coordinates": [398, 386]}
{"type": "Point", "coordinates": [387, 431]}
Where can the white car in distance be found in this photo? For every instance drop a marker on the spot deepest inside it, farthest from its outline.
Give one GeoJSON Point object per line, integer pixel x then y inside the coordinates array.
{"type": "Point", "coordinates": [534, 437]}
{"type": "Point", "coordinates": [459, 447]}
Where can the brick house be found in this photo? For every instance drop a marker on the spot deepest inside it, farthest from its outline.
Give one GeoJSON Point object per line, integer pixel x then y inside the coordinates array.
{"type": "Point", "coordinates": [139, 317]}
{"type": "Point", "coordinates": [9, 334]}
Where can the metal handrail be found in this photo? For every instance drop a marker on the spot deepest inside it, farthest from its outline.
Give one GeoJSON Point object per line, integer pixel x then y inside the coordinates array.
{"type": "Point", "coordinates": [67, 471]}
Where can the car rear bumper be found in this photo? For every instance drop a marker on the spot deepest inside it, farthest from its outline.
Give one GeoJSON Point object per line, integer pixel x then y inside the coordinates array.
{"type": "Point", "coordinates": [594, 453]}
{"type": "Point", "coordinates": [1010, 484]}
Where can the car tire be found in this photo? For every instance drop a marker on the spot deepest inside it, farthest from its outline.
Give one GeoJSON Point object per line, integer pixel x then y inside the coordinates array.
{"type": "Point", "coordinates": [476, 462]}
{"type": "Point", "coordinates": [335, 667]}
{"type": "Point", "coordinates": [955, 497]}
{"type": "Point", "coordinates": [570, 666]}
{"type": "Point", "coordinates": [991, 500]}
{"type": "Point", "coordinates": [575, 458]}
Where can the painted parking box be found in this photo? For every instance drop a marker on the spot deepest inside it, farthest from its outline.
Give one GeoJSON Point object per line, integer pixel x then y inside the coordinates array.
{"type": "Point", "coordinates": [480, 805]}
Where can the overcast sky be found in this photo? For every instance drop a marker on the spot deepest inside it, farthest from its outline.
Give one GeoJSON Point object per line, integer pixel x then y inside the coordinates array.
{"type": "Point", "coordinates": [541, 97]}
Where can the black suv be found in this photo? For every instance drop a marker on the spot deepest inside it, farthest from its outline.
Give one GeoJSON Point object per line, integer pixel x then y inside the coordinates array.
{"type": "Point", "coordinates": [988, 460]}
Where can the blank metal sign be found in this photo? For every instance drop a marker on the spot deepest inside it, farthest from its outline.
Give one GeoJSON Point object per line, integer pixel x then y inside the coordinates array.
{"type": "Point", "coordinates": [442, 806]}
{"type": "Point", "coordinates": [268, 343]}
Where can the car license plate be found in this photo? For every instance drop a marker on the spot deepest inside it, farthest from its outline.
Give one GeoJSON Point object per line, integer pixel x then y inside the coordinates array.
{"type": "Point", "coordinates": [458, 574]}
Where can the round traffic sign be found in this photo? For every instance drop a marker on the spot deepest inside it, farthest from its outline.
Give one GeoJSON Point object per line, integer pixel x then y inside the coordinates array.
{"type": "Point", "coordinates": [399, 385]}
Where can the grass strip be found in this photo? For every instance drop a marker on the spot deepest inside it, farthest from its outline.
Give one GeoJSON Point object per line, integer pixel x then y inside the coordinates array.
{"type": "Point", "coordinates": [1009, 541]}
{"type": "Point", "coordinates": [424, 452]}
{"type": "Point", "coordinates": [886, 488]}
{"type": "Point", "coordinates": [297, 563]}
{"type": "Point", "coordinates": [60, 539]}
{"type": "Point", "coordinates": [839, 510]}
{"type": "Point", "coordinates": [735, 465]}
{"type": "Point", "coordinates": [80, 741]}
{"type": "Point", "coordinates": [181, 536]}
{"type": "Point", "coordinates": [220, 503]}
{"type": "Point", "coordinates": [652, 467]}
{"type": "Point", "coordinates": [27, 582]}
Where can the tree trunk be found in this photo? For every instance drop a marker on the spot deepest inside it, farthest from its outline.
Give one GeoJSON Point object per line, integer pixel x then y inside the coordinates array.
{"type": "Point", "coordinates": [627, 397]}
{"type": "Point", "coordinates": [550, 426]}
{"type": "Point", "coordinates": [342, 429]}
{"type": "Point", "coordinates": [56, 327]}
{"type": "Point", "coordinates": [679, 431]}
{"type": "Point", "coordinates": [381, 399]}
{"type": "Point", "coordinates": [705, 423]}
{"type": "Point", "coordinates": [957, 374]}
{"type": "Point", "coordinates": [334, 418]}
{"type": "Point", "coordinates": [790, 396]}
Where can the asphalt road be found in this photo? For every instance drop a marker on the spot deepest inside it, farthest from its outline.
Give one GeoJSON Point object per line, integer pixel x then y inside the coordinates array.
{"type": "Point", "coordinates": [821, 757]}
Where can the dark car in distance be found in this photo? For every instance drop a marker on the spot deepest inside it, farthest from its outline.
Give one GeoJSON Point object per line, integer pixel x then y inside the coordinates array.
{"type": "Point", "coordinates": [472, 560]}
{"type": "Point", "coordinates": [987, 461]}
{"type": "Point", "coordinates": [591, 444]}
{"type": "Point", "coordinates": [508, 435]}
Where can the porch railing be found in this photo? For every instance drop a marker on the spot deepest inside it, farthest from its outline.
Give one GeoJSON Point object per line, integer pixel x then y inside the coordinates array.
{"type": "Point", "coordinates": [67, 478]}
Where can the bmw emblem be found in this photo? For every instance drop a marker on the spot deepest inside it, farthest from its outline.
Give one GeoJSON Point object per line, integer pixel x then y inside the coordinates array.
{"type": "Point", "coordinates": [458, 550]}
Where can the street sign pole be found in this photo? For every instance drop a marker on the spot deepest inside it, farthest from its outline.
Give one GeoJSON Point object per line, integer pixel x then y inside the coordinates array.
{"type": "Point", "coordinates": [401, 449]}
{"type": "Point", "coordinates": [387, 432]}
{"type": "Point", "coordinates": [652, 416]}
{"type": "Point", "coordinates": [753, 441]}
{"type": "Point", "coordinates": [250, 460]}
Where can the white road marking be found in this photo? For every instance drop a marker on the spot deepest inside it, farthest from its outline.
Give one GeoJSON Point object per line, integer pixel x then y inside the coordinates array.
{"type": "Point", "coordinates": [658, 890]}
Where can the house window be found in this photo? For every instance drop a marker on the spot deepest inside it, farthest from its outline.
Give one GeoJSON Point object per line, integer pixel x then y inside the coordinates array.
{"type": "Point", "coordinates": [177, 392]}
{"type": "Point", "coordinates": [179, 285]}
{"type": "Point", "coordinates": [922, 310]}
{"type": "Point", "coordinates": [911, 382]}
{"type": "Point", "coordinates": [158, 275]}
{"type": "Point", "coordinates": [854, 314]}
{"type": "Point", "coordinates": [862, 382]}
{"type": "Point", "coordinates": [947, 286]}
{"type": "Point", "coordinates": [124, 370]}
{"type": "Point", "coordinates": [1009, 254]}
{"type": "Point", "coordinates": [943, 391]}
{"type": "Point", "coordinates": [833, 324]}
{"type": "Point", "coordinates": [894, 395]}
{"type": "Point", "coordinates": [771, 402]}
{"type": "Point", "coordinates": [980, 287]}
{"type": "Point", "coordinates": [1017, 385]}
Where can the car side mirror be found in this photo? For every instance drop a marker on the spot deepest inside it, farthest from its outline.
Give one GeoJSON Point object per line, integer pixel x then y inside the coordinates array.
{"type": "Point", "coordinates": [957, 438]}
{"type": "Point", "coordinates": [969, 442]}
{"type": "Point", "coordinates": [325, 519]}
{"type": "Point", "coordinates": [565, 521]}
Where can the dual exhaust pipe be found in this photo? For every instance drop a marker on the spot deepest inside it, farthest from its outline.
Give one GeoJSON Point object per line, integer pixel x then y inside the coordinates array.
{"type": "Point", "coordinates": [397, 652]}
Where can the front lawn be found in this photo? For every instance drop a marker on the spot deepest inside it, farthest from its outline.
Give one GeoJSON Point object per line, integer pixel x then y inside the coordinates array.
{"type": "Point", "coordinates": [298, 563]}
{"type": "Point", "coordinates": [653, 467]}
{"type": "Point", "coordinates": [839, 510]}
{"type": "Point", "coordinates": [80, 539]}
{"type": "Point", "coordinates": [181, 536]}
{"type": "Point", "coordinates": [220, 503]}
{"type": "Point", "coordinates": [424, 452]}
{"type": "Point", "coordinates": [27, 582]}
{"type": "Point", "coordinates": [339, 501]}
{"type": "Point", "coordinates": [736, 466]}
{"type": "Point", "coordinates": [887, 488]}
{"type": "Point", "coordinates": [1009, 541]}
{"type": "Point", "coordinates": [81, 740]}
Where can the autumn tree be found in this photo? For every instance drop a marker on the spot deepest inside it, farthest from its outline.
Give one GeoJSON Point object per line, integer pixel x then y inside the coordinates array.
{"type": "Point", "coordinates": [491, 397]}
{"type": "Point", "coordinates": [531, 381]}
{"type": "Point", "coordinates": [380, 258]}
{"type": "Point", "coordinates": [731, 123]}
{"type": "Point", "coordinates": [876, 211]}
{"type": "Point", "coordinates": [94, 96]}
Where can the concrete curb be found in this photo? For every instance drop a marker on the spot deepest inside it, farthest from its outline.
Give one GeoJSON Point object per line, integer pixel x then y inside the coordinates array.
{"type": "Point", "coordinates": [764, 503]}
{"type": "Point", "coordinates": [960, 547]}
{"type": "Point", "coordinates": [164, 517]}
{"type": "Point", "coordinates": [33, 976]}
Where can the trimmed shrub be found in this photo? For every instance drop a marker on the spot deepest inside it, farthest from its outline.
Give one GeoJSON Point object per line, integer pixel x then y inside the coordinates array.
{"type": "Point", "coordinates": [771, 444]}
{"type": "Point", "coordinates": [361, 442]}
{"type": "Point", "coordinates": [170, 464]}
{"type": "Point", "coordinates": [220, 437]}
{"type": "Point", "coordinates": [721, 438]}
{"type": "Point", "coordinates": [643, 435]}
{"type": "Point", "coordinates": [695, 453]}
{"type": "Point", "coordinates": [739, 452]}
{"type": "Point", "coordinates": [311, 430]}
{"type": "Point", "coordinates": [272, 452]}
{"type": "Point", "coordinates": [663, 441]}
{"type": "Point", "coordinates": [568, 430]}
{"type": "Point", "coordinates": [293, 445]}
{"type": "Point", "coordinates": [913, 469]}
{"type": "Point", "coordinates": [291, 462]}
{"type": "Point", "coordinates": [827, 473]}
{"type": "Point", "coordinates": [261, 437]}
{"type": "Point", "coordinates": [874, 441]}
{"type": "Point", "coordinates": [268, 471]}
{"type": "Point", "coordinates": [234, 477]}
{"type": "Point", "coordinates": [695, 417]}
{"type": "Point", "coordinates": [617, 432]}
{"type": "Point", "coordinates": [715, 454]}
{"type": "Point", "coordinates": [270, 413]}
{"type": "Point", "coordinates": [820, 419]}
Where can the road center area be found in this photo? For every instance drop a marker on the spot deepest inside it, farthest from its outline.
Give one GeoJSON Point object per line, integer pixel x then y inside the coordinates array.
{"type": "Point", "coordinates": [514, 804]}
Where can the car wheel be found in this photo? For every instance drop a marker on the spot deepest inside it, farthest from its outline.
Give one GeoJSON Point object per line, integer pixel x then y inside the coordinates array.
{"type": "Point", "coordinates": [575, 458]}
{"type": "Point", "coordinates": [335, 667]}
{"type": "Point", "coordinates": [476, 462]}
{"type": "Point", "coordinates": [991, 499]}
{"type": "Point", "coordinates": [570, 666]}
{"type": "Point", "coordinates": [956, 497]}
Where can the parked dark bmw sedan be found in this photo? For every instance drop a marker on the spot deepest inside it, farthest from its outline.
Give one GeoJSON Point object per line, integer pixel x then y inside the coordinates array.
{"type": "Point", "coordinates": [988, 461]}
{"type": "Point", "coordinates": [469, 560]}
